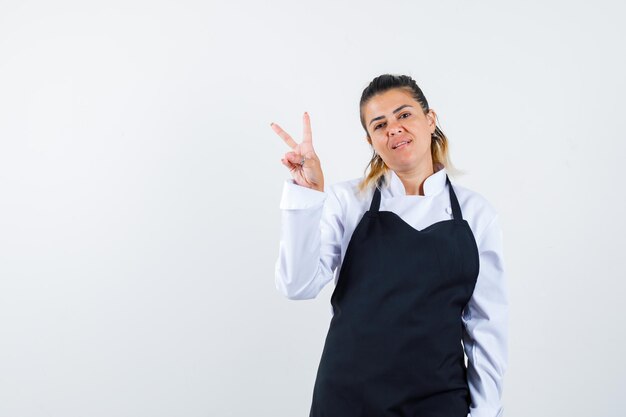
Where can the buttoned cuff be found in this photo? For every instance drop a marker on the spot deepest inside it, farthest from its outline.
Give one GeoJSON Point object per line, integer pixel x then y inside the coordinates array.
{"type": "Point", "coordinates": [299, 197]}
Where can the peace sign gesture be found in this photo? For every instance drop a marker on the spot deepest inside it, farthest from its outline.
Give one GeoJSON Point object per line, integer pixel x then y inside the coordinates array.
{"type": "Point", "coordinates": [302, 161]}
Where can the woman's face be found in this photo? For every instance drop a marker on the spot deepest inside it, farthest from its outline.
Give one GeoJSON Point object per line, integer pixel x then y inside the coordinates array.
{"type": "Point", "coordinates": [399, 129]}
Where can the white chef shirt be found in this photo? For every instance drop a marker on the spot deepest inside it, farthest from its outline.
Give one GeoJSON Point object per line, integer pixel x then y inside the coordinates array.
{"type": "Point", "coordinates": [317, 227]}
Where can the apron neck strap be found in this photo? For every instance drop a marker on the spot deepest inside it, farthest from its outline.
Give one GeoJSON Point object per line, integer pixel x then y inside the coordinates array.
{"type": "Point", "coordinates": [376, 198]}
{"type": "Point", "coordinates": [454, 202]}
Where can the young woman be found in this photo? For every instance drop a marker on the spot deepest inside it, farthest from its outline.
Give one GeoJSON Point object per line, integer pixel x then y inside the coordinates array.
{"type": "Point", "coordinates": [418, 266]}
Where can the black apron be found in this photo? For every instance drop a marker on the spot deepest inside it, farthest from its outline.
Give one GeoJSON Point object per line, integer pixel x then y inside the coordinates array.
{"type": "Point", "coordinates": [393, 347]}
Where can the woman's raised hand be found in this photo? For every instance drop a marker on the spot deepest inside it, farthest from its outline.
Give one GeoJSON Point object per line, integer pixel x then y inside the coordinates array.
{"type": "Point", "coordinates": [302, 161]}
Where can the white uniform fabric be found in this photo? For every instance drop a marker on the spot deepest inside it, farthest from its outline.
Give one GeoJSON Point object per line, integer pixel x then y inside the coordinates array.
{"type": "Point", "coordinates": [317, 227]}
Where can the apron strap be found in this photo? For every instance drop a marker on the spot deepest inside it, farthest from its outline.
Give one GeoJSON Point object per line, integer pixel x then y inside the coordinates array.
{"type": "Point", "coordinates": [375, 205]}
{"type": "Point", "coordinates": [456, 208]}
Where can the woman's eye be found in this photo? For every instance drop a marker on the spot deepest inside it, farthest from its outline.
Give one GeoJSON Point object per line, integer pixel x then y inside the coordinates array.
{"type": "Point", "coordinates": [401, 116]}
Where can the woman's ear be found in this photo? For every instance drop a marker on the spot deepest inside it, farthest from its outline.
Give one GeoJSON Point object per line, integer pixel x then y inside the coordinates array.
{"type": "Point", "coordinates": [432, 119]}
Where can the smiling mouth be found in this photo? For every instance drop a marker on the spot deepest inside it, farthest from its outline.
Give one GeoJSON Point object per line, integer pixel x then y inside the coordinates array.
{"type": "Point", "coordinates": [399, 144]}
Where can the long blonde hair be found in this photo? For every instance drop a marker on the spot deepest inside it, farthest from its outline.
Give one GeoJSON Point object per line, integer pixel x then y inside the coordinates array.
{"type": "Point", "coordinates": [439, 147]}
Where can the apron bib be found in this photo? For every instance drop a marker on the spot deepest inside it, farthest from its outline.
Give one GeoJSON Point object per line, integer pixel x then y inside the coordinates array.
{"type": "Point", "coordinates": [393, 347]}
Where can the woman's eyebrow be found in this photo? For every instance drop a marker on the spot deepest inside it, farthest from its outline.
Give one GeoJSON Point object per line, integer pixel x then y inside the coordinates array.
{"type": "Point", "coordinates": [395, 111]}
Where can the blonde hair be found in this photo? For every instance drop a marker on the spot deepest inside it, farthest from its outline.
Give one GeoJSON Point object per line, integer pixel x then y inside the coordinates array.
{"type": "Point", "coordinates": [439, 146]}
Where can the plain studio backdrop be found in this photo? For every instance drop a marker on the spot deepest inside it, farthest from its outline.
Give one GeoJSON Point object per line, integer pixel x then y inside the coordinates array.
{"type": "Point", "coordinates": [140, 182]}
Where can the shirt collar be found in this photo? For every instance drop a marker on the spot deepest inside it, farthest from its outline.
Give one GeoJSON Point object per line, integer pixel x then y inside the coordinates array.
{"type": "Point", "coordinates": [432, 184]}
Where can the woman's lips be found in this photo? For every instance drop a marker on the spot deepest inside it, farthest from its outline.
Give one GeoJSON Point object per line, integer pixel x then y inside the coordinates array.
{"type": "Point", "coordinates": [402, 144]}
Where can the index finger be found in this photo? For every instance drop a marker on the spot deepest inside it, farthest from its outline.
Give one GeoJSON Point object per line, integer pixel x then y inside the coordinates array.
{"type": "Point", "coordinates": [306, 129]}
{"type": "Point", "coordinates": [288, 139]}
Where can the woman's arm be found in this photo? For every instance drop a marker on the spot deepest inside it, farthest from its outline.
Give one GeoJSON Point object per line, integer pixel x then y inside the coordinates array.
{"type": "Point", "coordinates": [486, 320]}
{"type": "Point", "coordinates": [310, 242]}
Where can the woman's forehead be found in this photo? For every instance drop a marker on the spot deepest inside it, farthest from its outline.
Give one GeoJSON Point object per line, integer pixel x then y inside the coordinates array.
{"type": "Point", "coordinates": [388, 102]}
{"type": "Point", "coordinates": [389, 99]}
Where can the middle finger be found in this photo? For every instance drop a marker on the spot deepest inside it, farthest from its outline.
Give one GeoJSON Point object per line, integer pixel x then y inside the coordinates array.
{"type": "Point", "coordinates": [306, 128]}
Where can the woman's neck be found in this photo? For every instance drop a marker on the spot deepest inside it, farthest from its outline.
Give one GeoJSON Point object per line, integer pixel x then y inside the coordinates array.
{"type": "Point", "coordinates": [414, 179]}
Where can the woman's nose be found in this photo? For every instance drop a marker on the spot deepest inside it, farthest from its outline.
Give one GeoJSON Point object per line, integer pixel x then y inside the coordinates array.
{"type": "Point", "coordinates": [394, 128]}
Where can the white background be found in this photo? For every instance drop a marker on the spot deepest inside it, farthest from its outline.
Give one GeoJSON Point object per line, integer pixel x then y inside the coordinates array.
{"type": "Point", "coordinates": [140, 182]}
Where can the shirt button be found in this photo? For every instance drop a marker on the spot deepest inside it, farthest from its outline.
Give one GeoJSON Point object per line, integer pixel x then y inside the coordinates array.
{"type": "Point", "coordinates": [449, 210]}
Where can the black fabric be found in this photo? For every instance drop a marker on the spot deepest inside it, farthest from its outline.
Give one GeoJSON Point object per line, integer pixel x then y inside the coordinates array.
{"type": "Point", "coordinates": [393, 347]}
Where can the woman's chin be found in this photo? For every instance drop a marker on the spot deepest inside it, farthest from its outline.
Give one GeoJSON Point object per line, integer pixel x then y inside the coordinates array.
{"type": "Point", "coordinates": [407, 164]}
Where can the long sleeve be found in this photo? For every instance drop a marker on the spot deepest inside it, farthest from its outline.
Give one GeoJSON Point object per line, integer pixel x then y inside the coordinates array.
{"type": "Point", "coordinates": [310, 241]}
{"type": "Point", "coordinates": [485, 319]}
